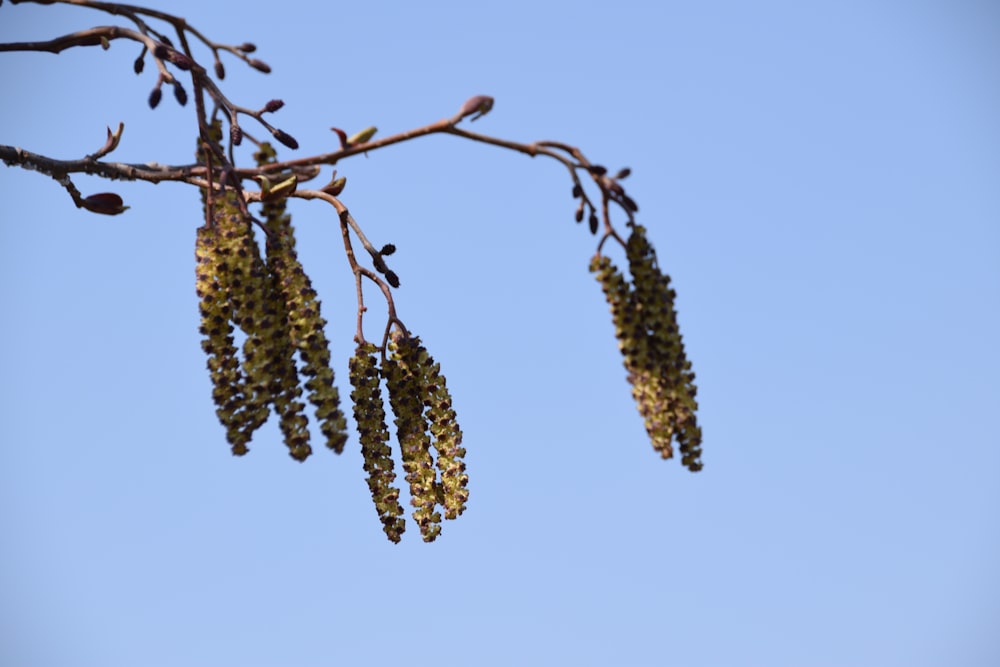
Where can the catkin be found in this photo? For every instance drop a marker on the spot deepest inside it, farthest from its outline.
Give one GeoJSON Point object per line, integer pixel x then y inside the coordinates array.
{"type": "Point", "coordinates": [645, 322]}
{"type": "Point", "coordinates": [369, 414]}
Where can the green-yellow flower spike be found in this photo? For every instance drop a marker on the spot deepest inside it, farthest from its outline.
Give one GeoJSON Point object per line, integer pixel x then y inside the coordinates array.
{"type": "Point", "coordinates": [421, 402]}
{"type": "Point", "coordinates": [646, 327]}
{"type": "Point", "coordinates": [402, 373]}
{"type": "Point", "coordinates": [369, 414]}
{"type": "Point", "coordinates": [228, 385]}
{"type": "Point", "coordinates": [306, 330]}
{"type": "Point", "coordinates": [447, 439]}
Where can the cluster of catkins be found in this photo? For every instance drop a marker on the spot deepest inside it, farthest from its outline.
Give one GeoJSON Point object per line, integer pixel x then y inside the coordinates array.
{"type": "Point", "coordinates": [285, 355]}
{"type": "Point", "coordinates": [272, 301]}
{"type": "Point", "coordinates": [650, 341]}
{"type": "Point", "coordinates": [425, 421]}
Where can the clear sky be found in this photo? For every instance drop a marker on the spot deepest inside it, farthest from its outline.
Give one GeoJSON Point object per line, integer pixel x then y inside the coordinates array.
{"type": "Point", "coordinates": [822, 181]}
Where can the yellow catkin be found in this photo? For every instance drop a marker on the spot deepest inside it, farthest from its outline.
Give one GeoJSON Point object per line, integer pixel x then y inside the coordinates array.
{"type": "Point", "coordinates": [674, 381]}
{"type": "Point", "coordinates": [402, 374]}
{"type": "Point", "coordinates": [646, 327]}
{"type": "Point", "coordinates": [296, 309]}
{"type": "Point", "coordinates": [306, 331]}
{"type": "Point", "coordinates": [228, 384]}
{"type": "Point", "coordinates": [245, 288]}
{"type": "Point", "coordinates": [369, 414]}
{"type": "Point", "coordinates": [447, 439]}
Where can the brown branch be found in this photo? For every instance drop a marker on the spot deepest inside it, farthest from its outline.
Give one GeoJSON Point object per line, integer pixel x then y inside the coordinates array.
{"type": "Point", "coordinates": [225, 173]}
{"type": "Point", "coordinates": [99, 36]}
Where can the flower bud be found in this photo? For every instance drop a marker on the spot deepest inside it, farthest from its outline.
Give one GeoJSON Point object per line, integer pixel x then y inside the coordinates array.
{"type": "Point", "coordinates": [105, 203]}
{"type": "Point", "coordinates": [273, 105]}
{"type": "Point", "coordinates": [180, 94]}
{"type": "Point", "coordinates": [259, 65]}
{"type": "Point", "coordinates": [286, 139]}
{"type": "Point", "coordinates": [479, 105]}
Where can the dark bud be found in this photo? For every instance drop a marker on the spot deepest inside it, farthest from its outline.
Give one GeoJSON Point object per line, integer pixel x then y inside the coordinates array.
{"type": "Point", "coordinates": [392, 278]}
{"type": "Point", "coordinates": [597, 170]}
{"type": "Point", "coordinates": [180, 60]}
{"type": "Point", "coordinates": [166, 40]}
{"type": "Point", "coordinates": [387, 249]}
{"type": "Point", "coordinates": [577, 191]}
{"type": "Point", "coordinates": [180, 94]}
{"type": "Point", "coordinates": [163, 52]}
{"type": "Point", "coordinates": [236, 134]}
{"type": "Point", "coordinates": [379, 264]}
{"type": "Point", "coordinates": [247, 47]}
{"type": "Point", "coordinates": [139, 64]}
{"type": "Point", "coordinates": [592, 221]}
{"type": "Point", "coordinates": [272, 106]}
{"type": "Point", "coordinates": [579, 212]}
{"type": "Point", "coordinates": [106, 203]}
{"type": "Point", "coordinates": [630, 203]}
{"type": "Point", "coordinates": [623, 173]}
{"type": "Point", "coordinates": [220, 71]}
{"type": "Point", "coordinates": [155, 97]}
{"type": "Point", "coordinates": [286, 139]}
{"type": "Point", "coordinates": [259, 65]}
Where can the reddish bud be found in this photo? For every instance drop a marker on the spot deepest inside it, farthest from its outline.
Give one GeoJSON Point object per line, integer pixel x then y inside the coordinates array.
{"type": "Point", "coordinates": [577, 191]}
{"type": "Point", "coordinates": [154, 97]}
{"type": "Point", "coordinates": [478, 104]}
{"type": "Point", "coordinates": [139, 64]}
{"type": "Point", "coordinates": [220, 71]}
{"type": "Point", "coordinates": [247, 47]}
{"type": "Point", "coordinates": [592, 221]}
{"type": "Point", "coordinates": [623, 173]}
{"type": "Point", "coordinates": [272, 106]}
{"type": "Point", "coordinates": [236, 134]}
{"type": "Point", "coordinates": [106, 203]}
{"type": "Point", "coordinates": [630, 203]}
{"type": "Point", "coordinates": [597, 170]}
{"type": "Point", "coordinates": [342, 135]}
{"type": "Point", "coordinates": [286, 139]}
{"type": "Point", "coordinates": [259, 65]}
{"type": "Point", "coordinates": [579, 212]}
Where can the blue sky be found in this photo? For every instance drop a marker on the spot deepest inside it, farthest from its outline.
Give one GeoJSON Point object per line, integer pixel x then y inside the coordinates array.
{"type": "Point", "coordinates": [821, 181]}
